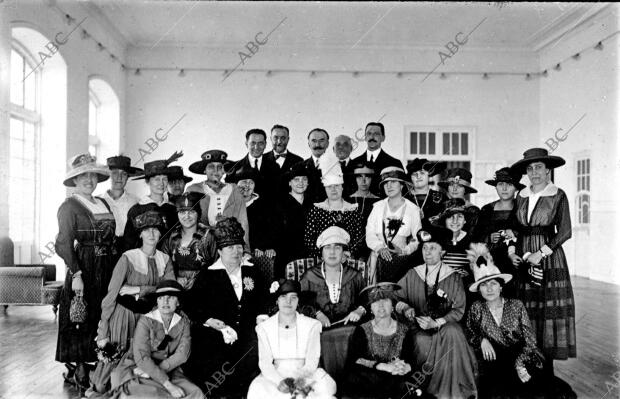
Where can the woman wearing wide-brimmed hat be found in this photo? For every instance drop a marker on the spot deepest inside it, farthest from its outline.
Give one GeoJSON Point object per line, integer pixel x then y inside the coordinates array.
{"type": "Point", "coordinates": [420, 170]}
{"type": "Point", "coordinates": [544, 225]}
{"type": "Point", "coordinates": [160, 346]}
{"type": "Point", "coordinates": [119, 199]}
{"type": "Point", "coordinates": [500, 331]}
{"type": "Point", "coordinates": [176, 182]}
{"type": "Point", "coordinates": [85, 242]}
{"type": "Point", "coordinates": [497, 225]}
{"type": "Point", "coordinates": [289, 349]}
{"type": "Point", "coordinates": [220, 199]}
{"type": "Point", "coordinates": [156, 177]}
{"type": "Point", "coordinates": [226, 302]}
{"type": "Point", "coordinates": [135, 275]}
{"type": "Point", "coordinates": [381, 351]}
{"type": "Point", "coordinates": [391, 228]}
{"type": "Point", "coordinates": [191, 244]}
{"type": "Point", "coordinates": [458, 184]}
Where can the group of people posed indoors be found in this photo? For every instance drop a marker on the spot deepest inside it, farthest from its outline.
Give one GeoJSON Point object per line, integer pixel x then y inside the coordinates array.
{"type": "Point", "coordinates": [279, 277]}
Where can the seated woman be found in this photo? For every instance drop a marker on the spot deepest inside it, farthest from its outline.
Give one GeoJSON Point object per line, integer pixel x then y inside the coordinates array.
{"type": "Point", "coordinates": [432, 298]}
{"type": "Point", "coordinates": [289, 347]}
{"type": "Point", "coordinates": [337, 289]}
{"type": "Point", "coordinates": [226, 302]}
{"type": "Point", "coordinates": [161, 344]}
{"type": "Point", "coordinates": [136, 274]}
{"type": "Point", "coordinates": [334, 211]}
{"type": "Point", "coordinates": [381, 350]}
{"type": "Point", "coordinates": [190, 245]}
{"type": "Point", "coordinates": [391, 229]}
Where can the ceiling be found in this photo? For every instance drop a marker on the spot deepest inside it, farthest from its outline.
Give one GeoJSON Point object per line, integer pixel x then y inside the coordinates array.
{"type": "Point", "coordinates": [508, 26]}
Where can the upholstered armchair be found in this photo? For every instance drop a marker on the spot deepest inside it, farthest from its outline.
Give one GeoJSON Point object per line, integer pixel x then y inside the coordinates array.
{"type": "Point", "coordinates": [295, 269]}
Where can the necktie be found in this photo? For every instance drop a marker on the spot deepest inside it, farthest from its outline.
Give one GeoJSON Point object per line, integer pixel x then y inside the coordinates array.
{"type": "Point", "coordinates": [278, 156]}
{"type": "Point", "coordinates": [342, 165]}
{"type": "Point", "coordinates": [316, 163]}
{"type": "Point", "coordinates": [256, 164]}
{"type": "Point", "coordinates": [372, 158]}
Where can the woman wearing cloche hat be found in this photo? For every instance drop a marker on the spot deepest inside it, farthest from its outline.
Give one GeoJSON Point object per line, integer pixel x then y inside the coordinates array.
{"type": "Point", "coordinates": [87, 221]}
{"type": "Point", "coordinates": [544, 224]}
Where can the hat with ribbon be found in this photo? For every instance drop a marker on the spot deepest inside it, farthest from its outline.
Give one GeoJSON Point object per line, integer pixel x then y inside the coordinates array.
{"type": "Point", "coordinates": [188, 201]}
{"type": "Point", "coordinates": [85, 163]}
{"type": "Point", "coordinates": [228, 231]}
{"type": "Point", "coordinates": [208, 157]}
{"type": "Point", "coordinates": [507, 176]}
{"type": "Point", "coordinates": [331, 171]}
{"type": "Point", "coordinates": [168, 287]}
{"type": "Point", "coordinates": [536, 155]}
{"type": "Point", "coordinates": [299, 169]}
{"type": "Point", "coordinates": [148, 219]}
{"type": "Point", "coordinates": [379, 291]}
{"type": "Point", "coordinates": [122, 162]}
{"type": "Point", "coordinates": [484, 268]}
{"type": "Point", "coordinates": [333, 235]}
{"type": "Point", "coordinates": [439, 235]}
{"type": "Point", "coordinates": [176, 173]}
{"type": "Point", "coordinates": [458, 176]}
{"type": "Point", "coordinates": [158, 167]}
{"type": "Point", "coordinates": [432, 167]}
{"type": "Point", "coordinates": [393, 173]}
{"type": "Point", "coordinates": [450, 208]}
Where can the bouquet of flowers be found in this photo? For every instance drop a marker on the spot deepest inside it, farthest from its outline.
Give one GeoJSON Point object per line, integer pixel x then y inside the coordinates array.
{"type": "Point", "coordinates": [109, 353]}
{"type": "Point", "coordinates": [391, 228]}
{"type": "Point", "coordinates": [438, 304]}
{"type": "Point", "coordinates": [298, 388]}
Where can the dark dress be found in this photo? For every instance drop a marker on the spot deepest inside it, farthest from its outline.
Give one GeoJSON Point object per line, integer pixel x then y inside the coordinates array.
{"type": "Point", "coordinates": [514, 343]}
{"type": "Point", "coordinates": [168, 212]}
{"type": "Point", "coordinates": [368, 347]}
{"type": "Point", "coordinates": [85, 242]}
{"type": "Point", "coordinates": [430, 204]}
{"type": "Point", "coordinates": [335, 340]}
{"type": "Point", "coordinates": [291, 239]}
{"type": "Point", "coordinates": [551, 307]}
{"type": "Point", "coordinates": [213, 296]}
{"type": "Point", "coordinates": [492, 221]}
{"type": "Point", "coordinates": [188, 260]}
{"type": "Point", "coordinates": [319, 218]}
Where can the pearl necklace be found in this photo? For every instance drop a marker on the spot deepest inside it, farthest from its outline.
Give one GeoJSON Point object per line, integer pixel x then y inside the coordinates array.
{"type": "Point", "coordinates": [334, 289]}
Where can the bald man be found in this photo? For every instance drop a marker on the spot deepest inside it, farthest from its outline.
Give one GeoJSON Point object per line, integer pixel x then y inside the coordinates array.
{"type": "Point", "coordinates": [343, 148]}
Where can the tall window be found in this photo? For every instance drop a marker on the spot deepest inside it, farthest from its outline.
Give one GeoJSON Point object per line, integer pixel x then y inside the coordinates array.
{"type": "Point", "coordinates": [583, 191]}
{"type": "Point", "coordinates": [103, 119]}
{"type": "Point", "coordinates": [94, 106]}
{"type": "Point", "coordinates": [24, 172]}
{"type": "Point", "coordinates": [448, 144]}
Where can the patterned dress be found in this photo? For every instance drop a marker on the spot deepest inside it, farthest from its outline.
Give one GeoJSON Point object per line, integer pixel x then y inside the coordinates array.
{"type": "Point", "coordinates": [321, 217]}
{"type": "Point", "coordinates": [368, 347]}
{"type": "Point", "coordinates": [551, 307]}
{"type": "Point", "coordinates": [85, 242]}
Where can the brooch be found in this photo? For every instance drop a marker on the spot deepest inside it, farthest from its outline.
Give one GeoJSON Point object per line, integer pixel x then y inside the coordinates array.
{"type": "Point", "coordinates": [248, 284]}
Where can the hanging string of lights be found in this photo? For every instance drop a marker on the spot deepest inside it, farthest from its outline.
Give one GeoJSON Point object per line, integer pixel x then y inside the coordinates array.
{"type": "Point", "coordinates": [313, 73]}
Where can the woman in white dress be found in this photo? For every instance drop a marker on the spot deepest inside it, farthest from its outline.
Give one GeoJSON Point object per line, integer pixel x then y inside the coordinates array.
{"type": "Point", "coordinates": [289, 348]}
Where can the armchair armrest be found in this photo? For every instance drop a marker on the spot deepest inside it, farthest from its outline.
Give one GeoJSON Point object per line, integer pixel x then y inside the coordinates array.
{"type": "Point", "coordinates": [21, 285]}
{"type": "Point", "coordinates": [50, 270]}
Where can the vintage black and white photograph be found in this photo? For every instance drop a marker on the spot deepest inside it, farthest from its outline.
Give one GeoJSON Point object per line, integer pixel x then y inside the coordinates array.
{"type": "Point", "coordinates": [238, 199]}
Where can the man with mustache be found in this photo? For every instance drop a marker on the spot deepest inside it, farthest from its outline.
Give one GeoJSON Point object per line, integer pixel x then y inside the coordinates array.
{"type": "Point", "coordinates": [374, 156]}
{"type": "Point", "coordinates": [343, 148]}
{"type": "Point", "coordinates": [281, 156]}
{"type": "Point", "coordinates": [318, 141]}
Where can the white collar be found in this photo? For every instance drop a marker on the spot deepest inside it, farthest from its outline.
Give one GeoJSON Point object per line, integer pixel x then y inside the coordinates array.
{"type": "Point", "coordinates": [218, 265]}
{"type": "Point", "coordinates": [156, 315]}
{"type": "Point", "coordinates": [444, 272]}
{"type": "Point", "coordinates": [462, 235]}
{"type": "Point", "coordinates": [139, 260]}
{"type": "Point", "coordinates": [255, 196]}
{"type": "Point", "coordinates": [374, 153]}
{"type": "Point", "coordinates": [346, 206]}
{"type": "Point", "coordinates": [251, 159]}
{"type": "Point", "coordinates": [315, 159]}
{"type": "Point", "coordinates": [148, 200]}
{"type": "Point", "coordinates": [549, 191]}
{"type": "Point", "coordinates": [275, 154]}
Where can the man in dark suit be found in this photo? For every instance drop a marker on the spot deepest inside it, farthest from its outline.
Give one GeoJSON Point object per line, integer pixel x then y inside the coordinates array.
{"type": "Point", "coordinates": [279, 153]}
{"type": "Point", "coordinates": [342, 149]}
{"type": "Point", "coordinates": [318, 141]}
{"type": "Point", "coordinates": [374, 156]}
{"type": "Point", "coordinates": [268, 170]}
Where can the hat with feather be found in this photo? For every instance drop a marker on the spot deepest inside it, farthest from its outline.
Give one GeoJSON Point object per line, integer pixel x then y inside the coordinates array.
{"type": "Point", "coordinates": [159, 167]}
{"type": "Point", "coordinates": [484, 268]}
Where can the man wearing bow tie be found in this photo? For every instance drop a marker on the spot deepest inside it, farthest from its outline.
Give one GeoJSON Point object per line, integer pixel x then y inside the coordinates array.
{"type": "Point", "coordinates": [342, 149]}
{"type": "Point", "coordinates": [279, 153]}
{"type": "Point", "coordinates": [374, 156]}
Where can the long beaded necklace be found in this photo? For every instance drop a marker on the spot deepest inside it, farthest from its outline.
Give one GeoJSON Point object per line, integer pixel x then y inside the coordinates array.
{"type": "Point", "coordinates": [415, 198]}
{"type": "Point", "coordinates": [334, 289]}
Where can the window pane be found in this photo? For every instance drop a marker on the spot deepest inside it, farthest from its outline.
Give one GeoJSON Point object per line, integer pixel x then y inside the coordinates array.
{"type": "Point", "coordinates": [22, 178]}
{"type": "Point", "coordinates": [30, 88]}
{"type": "Point", "coordinates": [431, 143]}
{"type": "Point", "coordinates": [446, 144]}
{"type": "Point", "coordinates": [587, 166]}
{"type": "Point", "coordinates": [414, 142]}
{"type": "Point", "coordinates": [17, 76]}
{"type": "Point", "coordinates": [588, 183]}
{"type": "Point", "coordinates": [422, 142]}
{"type": "Point", "coordinates": [463, 143]}
{"type": "Point", "coordinates": [578, 168]}
{"type": "Point", "coordinates": [455, 144]}
{"type": "Point", "coordinates": [586, 214]}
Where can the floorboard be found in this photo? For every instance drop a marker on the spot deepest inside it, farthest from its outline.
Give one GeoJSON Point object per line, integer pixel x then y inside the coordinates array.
{"type": "Point", "coordinates": [28, 344]}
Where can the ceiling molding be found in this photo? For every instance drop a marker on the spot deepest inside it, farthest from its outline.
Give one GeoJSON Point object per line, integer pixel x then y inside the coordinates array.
{"type": "Point", "coordinates": [565, 24]}
{"type": "Point", "coordinates": [110, 29]}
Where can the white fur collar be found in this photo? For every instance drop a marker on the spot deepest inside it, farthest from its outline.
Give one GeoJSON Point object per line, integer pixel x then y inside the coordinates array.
{"type": "Point", "coordinates": [156, 315]}
{"type": "Point", "coordinates": [148, 200]}
{"type": "Point", "coordinates": [139, 260]}
{"type": "Point", "coordinates": [549, 191]}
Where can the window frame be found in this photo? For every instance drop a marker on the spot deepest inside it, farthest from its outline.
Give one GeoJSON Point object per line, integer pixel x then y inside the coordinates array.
{"type": "Point", "coordinates": [583, 192]}
{"type": "Point", "coordinates": [439, 130]}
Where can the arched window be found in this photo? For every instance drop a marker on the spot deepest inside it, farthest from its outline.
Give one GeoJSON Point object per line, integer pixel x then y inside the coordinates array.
{"type": "Point", "coordinates": [583, 191]}
{"type": "Point", "coordinates": [103, 120]}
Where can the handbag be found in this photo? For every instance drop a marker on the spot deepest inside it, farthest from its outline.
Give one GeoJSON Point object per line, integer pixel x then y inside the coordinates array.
{"type": "Point", "coordinates": [77, 309]}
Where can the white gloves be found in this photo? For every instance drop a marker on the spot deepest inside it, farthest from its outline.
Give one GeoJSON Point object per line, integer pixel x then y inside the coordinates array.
{"type": "Point", "coordinates": [230, 335]}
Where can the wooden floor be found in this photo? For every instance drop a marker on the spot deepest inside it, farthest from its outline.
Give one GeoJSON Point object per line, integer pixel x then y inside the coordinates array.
{"type": "Point", "coordinates": [28, 343]}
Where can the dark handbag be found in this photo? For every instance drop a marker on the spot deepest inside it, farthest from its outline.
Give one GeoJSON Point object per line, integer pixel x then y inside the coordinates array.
{"type": "Point", "coordinates": [437, 306]}
{"type": "Point", "coordinates": [77, 309]}
{"type": "Point", "coordinates": [130, 302]}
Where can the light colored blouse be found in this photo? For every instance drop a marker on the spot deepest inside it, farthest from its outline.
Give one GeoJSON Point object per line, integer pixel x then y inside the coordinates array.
{"type": "Point", "coordinates": [218, 201]}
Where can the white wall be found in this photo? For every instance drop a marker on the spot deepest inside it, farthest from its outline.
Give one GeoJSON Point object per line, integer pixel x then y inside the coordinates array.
{"type": "Point", "coordinates": [587, 86]}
